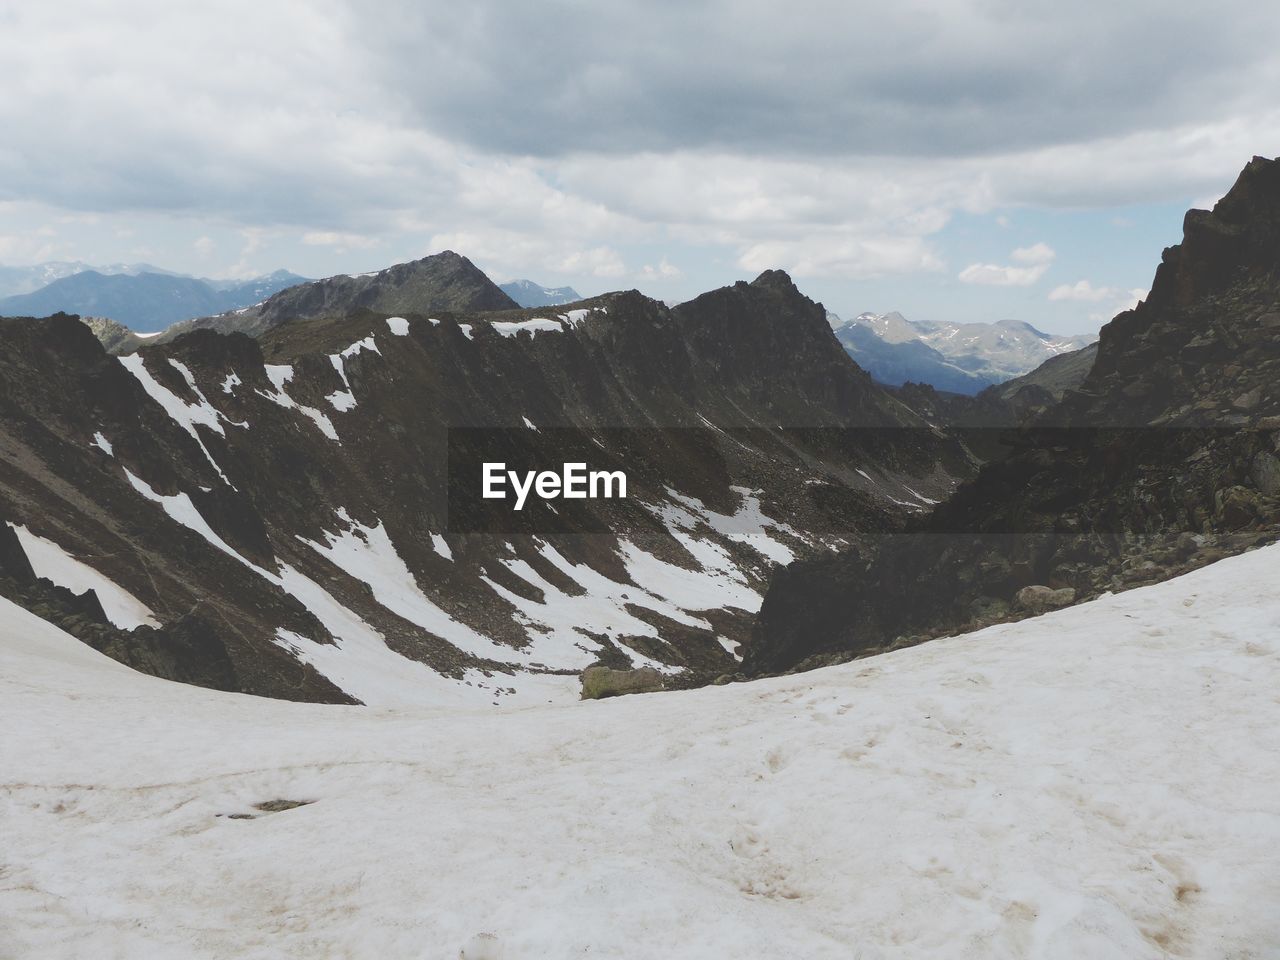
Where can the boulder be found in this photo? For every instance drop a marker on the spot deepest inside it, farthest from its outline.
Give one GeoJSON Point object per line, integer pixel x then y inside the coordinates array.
{"type": "Point", "coordinates": [1038, 599]}
{"type": "Point", "coordinates": [1266, 473]}
{"type": "Point", "coordinates": [600, 682]}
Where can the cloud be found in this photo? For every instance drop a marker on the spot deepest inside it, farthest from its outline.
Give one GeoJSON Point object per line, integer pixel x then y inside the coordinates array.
{"type": "Point", "coordinates": [568, 136]}
{"type": "Point", "coordinates": [340, 241]}
{"type": "Point", "coordinates": [1035, 254]}
{"type": "Point", "coordinates": [915, 79]}
{"type": "Point", "coordinates": [663, 271]}
{"type": "Point", "coordinates": [1035, 259]}
{"type": "Point", "coordinates": [1084, 291]}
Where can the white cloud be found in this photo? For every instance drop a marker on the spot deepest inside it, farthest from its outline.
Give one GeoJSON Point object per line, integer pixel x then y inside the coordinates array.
{"type": "Point", "coordinates": [665, 270]}
{"type": "Point", "coordinates": [1036, 254]}
{"type": "Point", "coordinates": [340, 241]}
{"type": "Point", "coordinates": [1036, 260]}
{"type": "Point", "coordinates": [596, 262]}
{"type": "Point", "coordinates": [1084, 291]}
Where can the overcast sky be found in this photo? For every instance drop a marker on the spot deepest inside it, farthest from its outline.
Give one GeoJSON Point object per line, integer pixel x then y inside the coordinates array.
{"type": "Point", "coordinates": [951, 160]}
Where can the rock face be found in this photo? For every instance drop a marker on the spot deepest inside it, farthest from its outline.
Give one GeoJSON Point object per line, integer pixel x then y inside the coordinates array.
{"type": "Point", "coordinates": [442, 282]}
{"type": "Point", "coordinates": [285, 508]}
{"type": "Point", "coordinates": [1162, 459]}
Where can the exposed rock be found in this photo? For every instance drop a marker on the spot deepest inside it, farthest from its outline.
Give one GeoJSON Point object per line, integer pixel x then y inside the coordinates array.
{"type": "Point", "coordinates": [1266, 473]}
{"type": "Point", "coordinates": [601, 682]}
{"type": "Point", "coordinates": [1038, 598]}
{"type": "Point", "coordinates": [443, 282]}
{"type": "Point", "coordinates": [1165, 440]}
{"type": "Point", "coordinates": [279, 483]}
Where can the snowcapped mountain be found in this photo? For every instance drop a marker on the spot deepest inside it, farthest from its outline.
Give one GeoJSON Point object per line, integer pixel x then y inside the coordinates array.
{"type": "Point", "coordinates": [142, 299]}
{"type": "Point", "coordinates": [959, 358]}
{"type": "Point", "coordinates": [1098, 782]}
{"type": "Point", "coordinates": [284, 507]}
{"type": "Point", "coordinates": [530, 294]}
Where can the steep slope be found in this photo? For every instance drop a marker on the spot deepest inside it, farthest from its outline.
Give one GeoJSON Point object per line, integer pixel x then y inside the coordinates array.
{"type": "Point", "coordinates": [526, 293]}
{"type": "Point", "coordinates": [442, 282]}
{"type": "Point", "coordinates": [1054, 377]}
{"type": "Point", "coordinates": [115, 337]}
{"type": "Point", "coordinates": [1164, 458]}
{"type": "Point", "coordinates": [1097, 783]}
{"type": "Point", "coordinates": [958, 358]}
{"type": "Point", "coordinates": [143, 301]}
{"type": "Point", "coordinates": [304, 499]}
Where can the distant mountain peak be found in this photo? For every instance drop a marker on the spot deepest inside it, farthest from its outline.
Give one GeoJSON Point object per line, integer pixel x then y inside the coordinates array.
{"type": "Point", "coordinates": [958, 358]}
{"type": "Point", "coordinates": [529, 293]}
{"type": "Point", "coordinates": [144, 299]}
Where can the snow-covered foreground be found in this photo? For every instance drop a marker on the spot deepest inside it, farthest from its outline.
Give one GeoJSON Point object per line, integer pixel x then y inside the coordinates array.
{"type": "Point", "coordinates": [1100, 782]}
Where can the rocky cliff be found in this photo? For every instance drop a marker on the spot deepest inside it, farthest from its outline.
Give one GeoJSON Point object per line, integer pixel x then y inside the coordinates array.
{"type": "Point", "coordinates": [1165, 457]}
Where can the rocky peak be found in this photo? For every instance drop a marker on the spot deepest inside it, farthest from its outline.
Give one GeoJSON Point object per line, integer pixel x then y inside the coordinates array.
{"type": "Point", "coordinates": [1171, 460]}
{"type": "Point", "coordinates": [1205, 339]}
{"type": "Point", "coordinates": [445, 281]}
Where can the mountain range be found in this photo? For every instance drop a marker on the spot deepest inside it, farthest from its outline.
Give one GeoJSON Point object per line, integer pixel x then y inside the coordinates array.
{"type": "Point", "coordinates": [276, 500]}
{"type": "Point", "coordinates": [281, 513]}
{"type": "Point", "coordinates": [957, 358]}
{"type": "Point", "coordinates": [527, 293]}
{"type": "Point", "coordinates": [144, 299]}
{"type": "Point", "coordinates": [28, 279]}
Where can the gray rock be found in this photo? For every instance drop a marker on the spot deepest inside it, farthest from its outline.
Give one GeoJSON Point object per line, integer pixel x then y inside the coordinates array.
{"type": "Point", "coordinates": [601, 682]}
{"type": "Point", "coordinates": [1038, 599]}
{"type": "Point", "coordinates": [1266, 473]}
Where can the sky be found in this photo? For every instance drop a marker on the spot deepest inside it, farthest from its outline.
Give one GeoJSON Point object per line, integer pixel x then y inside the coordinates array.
{"type": "Point", "coordinates": [965, 160]}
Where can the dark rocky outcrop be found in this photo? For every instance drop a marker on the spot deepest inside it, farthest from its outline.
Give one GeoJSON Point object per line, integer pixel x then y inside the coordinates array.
{"type": "Point", "coordinates": [1162, 459]}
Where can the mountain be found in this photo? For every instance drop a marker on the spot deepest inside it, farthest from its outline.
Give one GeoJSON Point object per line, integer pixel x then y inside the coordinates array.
{"type": "Point", "coordinates": [1057, 375]}
{"type": "Point", "coordinates": [1164, 458]}
{"type": "Point", "coordinates": [143, 301]}
{"type": "Point", "coordinates": [299, 515]}
{"type": "Point", "coordinates": [16, 280]}
{"type": "Point", "coordinates": [529, 294]}
{"type": "Point", "coordinates": [1096, 783]}
{"type": "Point", "coordinates": [115, 337]}
{"type": "Point", "coordinates": [441, 282]}
{"type": "Point", "coordinates": [959, 358]}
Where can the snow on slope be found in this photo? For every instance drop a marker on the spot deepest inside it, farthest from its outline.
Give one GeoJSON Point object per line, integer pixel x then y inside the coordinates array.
{"type": "Point", "coordinates": [1098, 782]}
{"type": "Point", "coordinates": [53, 562]}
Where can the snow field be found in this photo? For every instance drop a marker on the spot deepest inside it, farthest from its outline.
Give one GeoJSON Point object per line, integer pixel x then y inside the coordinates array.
{"type": "Point", "coordinates": [1097, 782]}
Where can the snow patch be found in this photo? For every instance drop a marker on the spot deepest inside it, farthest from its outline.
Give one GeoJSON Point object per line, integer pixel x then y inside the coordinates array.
{"type": "Point", "coordinates": [398, 326]}
{"type": "Point", "coordinates": [52, 562]}
{"type": "Point", "coordinates": [510, 328]}
{"type": "Point", "coordinates": [279, 375]}
{"type": "Point", "coordinates": [186, 415]}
